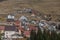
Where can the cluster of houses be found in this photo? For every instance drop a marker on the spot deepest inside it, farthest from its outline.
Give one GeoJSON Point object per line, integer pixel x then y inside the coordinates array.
{"type": "Point", "coordinates": [20, 28]}
{"type": "Point", "coordinates": [16, 28]}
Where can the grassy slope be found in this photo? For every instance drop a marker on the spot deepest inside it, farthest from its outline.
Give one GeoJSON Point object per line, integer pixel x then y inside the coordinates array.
{"type": "Point", "coordinates": [43, 6]}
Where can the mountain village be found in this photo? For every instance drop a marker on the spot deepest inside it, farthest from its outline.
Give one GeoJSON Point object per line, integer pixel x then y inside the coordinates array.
{"type": "Point", "coordinates": [20, 23]}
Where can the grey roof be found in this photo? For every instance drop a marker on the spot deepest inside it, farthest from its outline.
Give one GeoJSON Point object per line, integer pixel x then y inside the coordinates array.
{"type": "Point", "coordinates": [23, 18]}
{"type": "Point", "coordinates": [10, 28]}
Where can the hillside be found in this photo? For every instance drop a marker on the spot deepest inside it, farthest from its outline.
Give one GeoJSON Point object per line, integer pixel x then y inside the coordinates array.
{"type": "Point", "coordinates": [45, 6]}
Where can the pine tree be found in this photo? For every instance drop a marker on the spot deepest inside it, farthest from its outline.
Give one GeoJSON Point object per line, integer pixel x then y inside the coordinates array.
{"type": "Point", "coordinates": [33, 35]}
{"type": "Point", "coordinates": [58, 36]}
{"type": "Point", "coordinates": [53, 35]}
{"type": "Point", "coordinates": [39, 35]}
{"type": "Point", "coordinates": [44, 35]}
{"type": "Point", "coordinates": [0, 36]}
{"type": "Point", "coordinates": [47, 35]}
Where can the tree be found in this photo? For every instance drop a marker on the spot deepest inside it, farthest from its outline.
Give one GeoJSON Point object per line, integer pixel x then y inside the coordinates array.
{"type": "Point", "coordinates": [33, 35]}
{"type": "Point", "coordinates": [44, 35]}
{"type": "Point", "coordinates": [48, 35]}
{"type": "Point", "coordinates": [58, 36]}
{"type": "Point", "coordinates": [0, 36]}
{"type": "Point", "coordinates": [54, 35]}
{"type": "Point", "coordinates": [39, 35]}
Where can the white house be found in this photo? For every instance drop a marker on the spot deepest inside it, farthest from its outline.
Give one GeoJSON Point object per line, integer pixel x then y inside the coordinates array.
{"type": "Point", "coordinates": [16, 36]}
{"type": "Point", "coordinates": [9, 30]}
{"type": "Point", "coordinates": [9, 33]}
{"type": "Point", "coordinates": [10, 17]}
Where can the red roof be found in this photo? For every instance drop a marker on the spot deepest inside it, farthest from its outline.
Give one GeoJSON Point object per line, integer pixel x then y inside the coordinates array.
{"type": "Point", "coordinates": [26, 32]}
{"type": "Point", "coordinates": [32, 28]}
{"type": "Point", "coordinates": [2, 27]}
{"type": "Point", "coordinates": [20, 28]}
{"type": "Point", "coordinates": [17, 22]}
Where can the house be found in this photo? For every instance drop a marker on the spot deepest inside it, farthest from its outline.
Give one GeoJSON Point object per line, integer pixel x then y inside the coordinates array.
{"type": "Point", "coordinates": [2, 28]}
{"type": "Point", "coordinates": [31, 27]}
{"type": "Point", "coordinates": [10, 18]}
{"type": "Point", "coordinates": [16, 36]}
{"type": "Point", "coordinates": [33, 15]}
{"type": "Point", "coordinates": [33, 22]}
{"type": "Point", "coordinates": [23, 18]}
{"type": "Point", "coordinates": [17, 23]}
{"type": "Point", "coordinates": [47, 17]}
{"type": "Point", "coordinates": [27, 10]}
{"type": "Point", "coordinates": [9, 30]}
{"type": "Point", "coordinates": [42, 23]}
{"type": "Point", "coordinates": [27, 33]}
